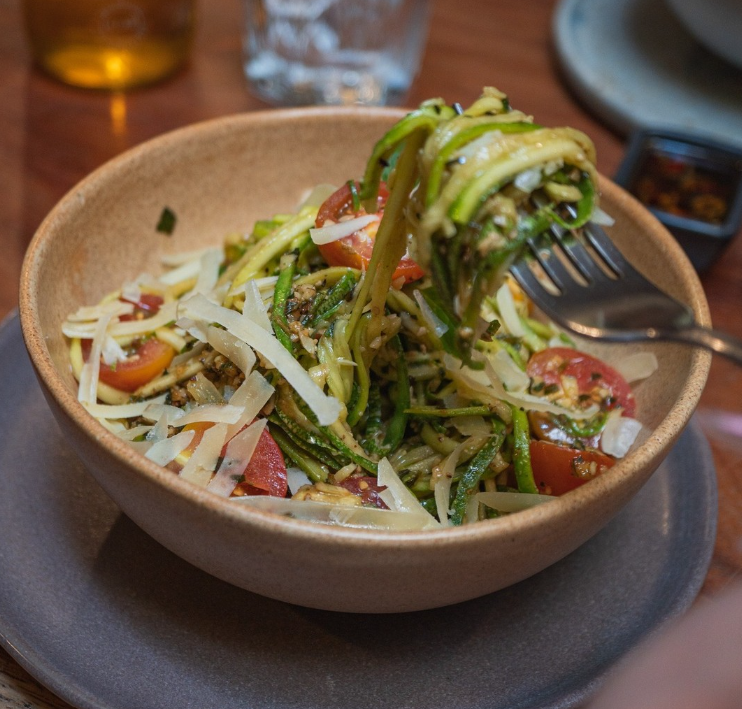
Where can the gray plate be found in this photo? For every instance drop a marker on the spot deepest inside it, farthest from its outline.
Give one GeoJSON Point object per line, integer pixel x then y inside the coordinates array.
{"type": "Point", "coordinates": [636, 66]}
{"type": "Point", "coordinates": [108, 619]}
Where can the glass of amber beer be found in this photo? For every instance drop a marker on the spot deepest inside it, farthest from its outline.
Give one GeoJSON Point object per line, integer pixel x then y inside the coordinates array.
{"type": "Point", "coordinates": [109, 44]}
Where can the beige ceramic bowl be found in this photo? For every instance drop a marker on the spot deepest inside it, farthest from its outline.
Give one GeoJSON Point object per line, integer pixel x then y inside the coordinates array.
{"type": "Point", "coordinates": [218, 177]}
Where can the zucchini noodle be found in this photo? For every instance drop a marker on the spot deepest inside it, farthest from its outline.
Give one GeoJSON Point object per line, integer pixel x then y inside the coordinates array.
{"type": "Point", "coordinates": [398, 367]}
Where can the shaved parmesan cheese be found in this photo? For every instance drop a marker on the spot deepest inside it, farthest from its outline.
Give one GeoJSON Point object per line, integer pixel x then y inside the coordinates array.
{"type": "Point", "coordinates": [398, 496]}
{"type": "Point", "coordinates": [208, 274]}
{"type": "Point", "coordinates": [637, 366]}
{"type": "Point", "coordinates": [508, 313]}
{"type": "Point", "coordinates": [252, 395]}
{"type": "Point", "coordinates": [356, 517]}
{"type": "Point", "coordinates": [254, 308]}
{"type": "Point", "coordinates": [112, 352]}
{"type": "Point", "coordinates": [442, 488]}
{"type": "Point", "coordinates": [159, 431]}
{"type": "Point", "coordinates": [296, 479]}
{"type": "Point", "coordinates": [232, 348]}
{"type": "Point", "coordinates": [169, 449]}
{"type": "Point", "coordinates": [203, 460]}
{"type": "Point", "coordinates": [508, 372]}
{"type": "Point", "coordinates": [195, 351]}
{"type": "Point", "coordinates": [155, 411]}
{"type": "Point", "coordinates": [129, 434]}
{"type": "Point", "coordinates": [123, 411]}
{"type": "Point", "coordinates": [190, 269]}
{"type": "Point", "coordinates": [88, 388]}
{"type": "Point", "coordinates": [511, 501]}
{"type": "Point", "coordinates": [193, 328]}
{"type": "Point", "coordinates": [129, 328]}
{"type": "Point", "coordinates": [96, 312]}
{"type": "Point", "coordinates": [619, 434]}
{"type": "Point", "coordinates": [212, 413]}
{"type": "Point", "coordinates": [131, 292]}
{"type": "Point", "coordinates": [267, 283]}
{"type": "Point", "coordinates": [333, 232]}
{"type": "Point", "coordinates": [237, 457]}
{"type": "Point", "coordinates": [434, 323]}
{"type": "Point", "coordinates": [326, 408]}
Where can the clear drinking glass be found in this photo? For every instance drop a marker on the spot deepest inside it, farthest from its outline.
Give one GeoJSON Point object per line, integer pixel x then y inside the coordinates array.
{"type": "Point", "coordinates": [333, 51]}
{"type": "Point", "coordinates": [109, 44]}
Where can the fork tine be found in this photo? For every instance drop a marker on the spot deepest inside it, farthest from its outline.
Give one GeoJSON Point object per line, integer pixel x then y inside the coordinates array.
{"type": "Point", "coordinates": [527, 278]}
{"type": "Point", "coordinates": [607, 250]}
{"type": "Point", "coordinates": [552, 266]}
{"type": "Point", "coordinates": [578, 255]}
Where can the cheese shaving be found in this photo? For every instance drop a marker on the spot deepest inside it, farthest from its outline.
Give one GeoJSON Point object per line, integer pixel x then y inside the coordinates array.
{"type": "Point", "coordinates": [203, 460]}
{"type": "Point", "coordinates": [354, 517]}
{"type": "Point", "coordinates": [333, 232]}
{"type": "Point", "coordinates": [87, 391]}
{"type": "Point", "coordinates": [232, 348]}
{"type": "Point", "coordinates": [326, 408]}
{"type": "Point", "coordinates": [254, 308]}
{"type": "Point", "coordinates": [237, 458]}
{"type": "Point", "coordinates": [169, 449]}
{"type": "Point", "coordinates": [397, 496]}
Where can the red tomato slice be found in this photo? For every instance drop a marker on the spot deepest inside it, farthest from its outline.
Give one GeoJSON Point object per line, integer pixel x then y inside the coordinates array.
{"type": "Point", "coordinates": [147, 306]}
{"type": "Point", "coordinates": [596, 381]}
{"type": "Point", "coordinates": [266, 472]}
{"type": "Point", "coordinates": [557, 469]}
{"type": "Point", "coordinates": [367, 488]}
{"type": "Point", "coordinates": [149, 361]}
{"type": "Point", "coordinates": [354, 251]}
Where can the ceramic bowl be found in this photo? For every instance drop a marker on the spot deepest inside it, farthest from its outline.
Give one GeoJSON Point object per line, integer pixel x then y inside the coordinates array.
{"type": "Point", "coordinates": [218, 177]}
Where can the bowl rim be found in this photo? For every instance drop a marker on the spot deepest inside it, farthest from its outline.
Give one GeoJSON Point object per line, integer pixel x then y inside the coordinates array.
{"type": "Point", "coordinates": [240, 515]}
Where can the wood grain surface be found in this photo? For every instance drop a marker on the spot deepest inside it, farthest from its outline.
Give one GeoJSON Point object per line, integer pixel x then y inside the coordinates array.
{"type": "Point", "coordinates": [51, 136]}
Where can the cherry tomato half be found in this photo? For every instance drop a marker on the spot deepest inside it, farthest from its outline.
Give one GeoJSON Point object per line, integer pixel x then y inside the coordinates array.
{"type": "Point", "coordinates": [558, 469]}
{"type": "Point", "coordinates": [266, 472]}
{"type": "Point", "coordinates": [151, 358]}
{"type": "Point", "coordinates": [354, 251]}
{"type": "Point", "coordinates": [596, 382]}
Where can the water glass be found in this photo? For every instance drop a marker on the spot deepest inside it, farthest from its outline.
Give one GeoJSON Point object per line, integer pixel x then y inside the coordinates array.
{"type": "Point", "coordinates": [300, 52]}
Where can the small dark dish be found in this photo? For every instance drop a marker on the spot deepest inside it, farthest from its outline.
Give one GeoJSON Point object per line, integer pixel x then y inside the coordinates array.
{"type": "Point", "coordinates": [691, 184]}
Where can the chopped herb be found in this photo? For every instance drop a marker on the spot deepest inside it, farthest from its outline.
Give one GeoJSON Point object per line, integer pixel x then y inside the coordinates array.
{"type": "Point", "coordinates": [354, 195]}
{"type": "Point", "coordinates": [166, 225]}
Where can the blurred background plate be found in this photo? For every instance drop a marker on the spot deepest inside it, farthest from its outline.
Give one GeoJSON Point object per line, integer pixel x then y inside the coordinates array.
{"type": "Point", "coordinates": [108, 619]}
{"type": "Point", "coordinates": [636, 66]}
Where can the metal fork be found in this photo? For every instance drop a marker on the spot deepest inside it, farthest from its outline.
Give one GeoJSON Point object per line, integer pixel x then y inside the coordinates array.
{"type": "Point", "coordinates": [599, 294]}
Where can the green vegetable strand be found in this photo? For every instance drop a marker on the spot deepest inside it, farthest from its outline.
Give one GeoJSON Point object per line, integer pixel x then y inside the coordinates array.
{"type": "Point", "coordinates": [398, 424]}
{"type": "Point", "coordinates": [280, 297]}
{"type": "Point", "coordinates": [522, 452]}
{"type": "Point", "coordinates": [315, 470]}
{"type": "Point", "coordinates": [470, 479]}
{"type": "Point", "coordinates": [327, 303]}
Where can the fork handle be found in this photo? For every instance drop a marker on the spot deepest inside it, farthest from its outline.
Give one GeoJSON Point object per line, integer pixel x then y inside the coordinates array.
{"type": "Point", "coordinates": [719, 342]}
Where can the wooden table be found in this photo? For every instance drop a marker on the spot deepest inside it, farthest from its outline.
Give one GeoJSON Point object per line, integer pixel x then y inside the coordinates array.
{"type": "Point", "coordinates": [51, 136]}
